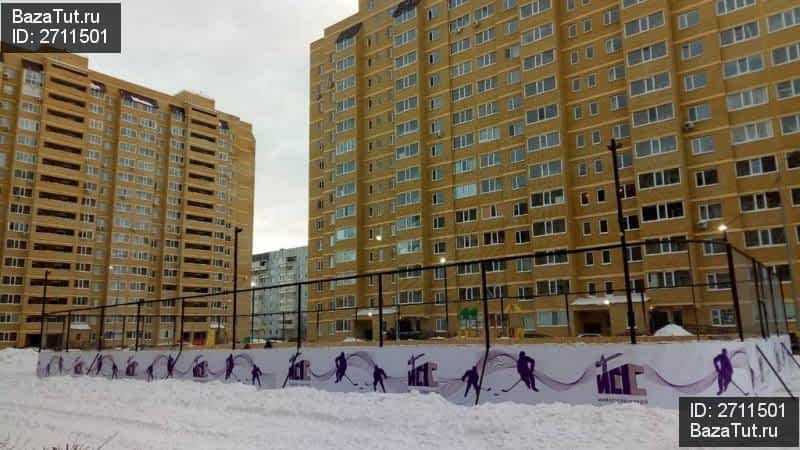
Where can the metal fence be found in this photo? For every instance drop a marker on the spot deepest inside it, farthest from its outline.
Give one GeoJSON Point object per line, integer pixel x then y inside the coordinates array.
{"type": "Point", "coordinates": [708, 287]}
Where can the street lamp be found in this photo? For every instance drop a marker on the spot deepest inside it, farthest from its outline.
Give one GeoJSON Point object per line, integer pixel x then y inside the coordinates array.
{"type": "Point", "coordinates": [614, 146]}
{"type": "Point", "coordinates": [724, 230]}
{"type": "Point", "coordinates": [443, 260]}
{"type": "Point", "coordinates": [379, 238]}
{"type": "Point", "coordinates": [252, 309]}
{"type": "Point", "coordinates": [236, 232]}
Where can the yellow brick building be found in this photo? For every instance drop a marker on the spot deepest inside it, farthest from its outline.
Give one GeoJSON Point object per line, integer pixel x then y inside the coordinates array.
{"type": "Point", "coordinates": [119, 193]}
{"type": "Point", "coordinates": [463, 129]}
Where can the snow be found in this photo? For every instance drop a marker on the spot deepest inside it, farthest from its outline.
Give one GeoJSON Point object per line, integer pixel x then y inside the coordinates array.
{"type": "Point", "coordinates": [606, 300]}
{"type": "Point", "coordinates": [672, 330]}
{"type": "Point", "coordinates": [171, 414]}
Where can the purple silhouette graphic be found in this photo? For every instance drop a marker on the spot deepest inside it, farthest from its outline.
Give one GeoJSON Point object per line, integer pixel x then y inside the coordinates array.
{"type": "Point", "coordinates": [77, 366]}
{"type": "Point", "coordinates": [525, 368]}
{"type": "Point", "coordinates": [229, 366]}
{"type": "Point", "coordinates": [170, 365]}
{"type": "Point", "coordinates": [149, 372]}
{"type": "Point", "coordinates": [130, 369]}
{"type": "Point", "coordinates": [378, 375]}
{"type": "Point", "coordinates": [341, 367]}
{"type": "Point", "coordinates": [298, 370]}
{"type": "Point", "coordinates": [99, 364]}
{"type": "Point", "coordinates": [256, 375]}
{"type": "Point", "coordinates": [200, 368]}
{"type": "Point", "coordinates": [620, 380]}
{"type": "Point", "coordinates": [421, 376]}
{"type": "Point", "coordinates": [471, 377]}
{"type": "Point", "coordinates": [724, 368]}
{"type": "Point", "coordinates": [114, 370]}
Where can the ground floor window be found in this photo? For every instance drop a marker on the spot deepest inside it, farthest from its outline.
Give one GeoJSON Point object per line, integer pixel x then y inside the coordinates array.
{"type": "Point", "coordinates": [723, 317]}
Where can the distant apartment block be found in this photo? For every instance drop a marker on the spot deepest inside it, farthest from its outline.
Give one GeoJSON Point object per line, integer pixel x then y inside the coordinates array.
{"type": "Point", "coordinates": [278, 306]}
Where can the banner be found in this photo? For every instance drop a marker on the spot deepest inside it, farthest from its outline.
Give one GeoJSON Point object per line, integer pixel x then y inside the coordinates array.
{"type": "Point", "coordinates": [649, 374]}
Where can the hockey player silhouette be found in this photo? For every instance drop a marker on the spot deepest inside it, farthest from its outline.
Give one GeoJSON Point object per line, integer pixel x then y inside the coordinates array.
{"type": "Point", "coordinates": [471, 377]}
{"type": "Point", "coordinates": [114, 370]}
{"type": "Point", "coordinates": [378, 375]}
{"type": "Point", "coordinates": [256, 375]}
{"type": "Point", "coordinates": [229, 366]}
{"type": "Point", "coordinates": [341, 367]}
{"type": "Point", "coordinates": [724, 368]}
{"type": "Point", "coordinates": [525, 367]}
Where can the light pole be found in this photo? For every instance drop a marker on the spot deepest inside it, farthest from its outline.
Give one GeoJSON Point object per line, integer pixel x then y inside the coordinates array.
{"type": "Point", "coordinates": [43, 325]}
{"type": "Point", "coordinates": [236, 232]}
{"type": "Point", "coordinates": [443, 261]}
{"type": "Point", "coordinates": [732, 279]}
{"type": "Point", "coordinates": [614, 146]}
{"type": "Point", "coordinates": [252, 310]}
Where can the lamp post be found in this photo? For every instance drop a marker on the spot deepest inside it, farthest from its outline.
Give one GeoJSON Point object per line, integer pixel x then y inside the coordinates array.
{"type": "Point", "coordinates": [43, 324]}
{"type": "Point", "coordinates": [732, 277]}
{"type": "Point", "coordinates": [443, 261]}
{"type": "Point", "coordinates": [252, 310]}
{"type": "Point", "coordinates": [614, 146]}
{"type": "Point", "coordinates": [236, 232]}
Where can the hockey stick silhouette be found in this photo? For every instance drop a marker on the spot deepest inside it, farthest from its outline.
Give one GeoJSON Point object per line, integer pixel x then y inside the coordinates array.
{"type": "Point", "coordinates": [512, 386]}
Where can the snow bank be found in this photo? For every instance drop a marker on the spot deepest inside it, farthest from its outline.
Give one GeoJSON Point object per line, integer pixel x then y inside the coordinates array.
{"type": "Point", "coordinates": [177, 414]}
{"type": "Point", "coordinates": [672, 330]}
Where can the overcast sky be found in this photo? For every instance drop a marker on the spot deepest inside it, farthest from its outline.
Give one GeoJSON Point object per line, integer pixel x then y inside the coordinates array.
{"type": "Point", "coordinates": [252, 58]}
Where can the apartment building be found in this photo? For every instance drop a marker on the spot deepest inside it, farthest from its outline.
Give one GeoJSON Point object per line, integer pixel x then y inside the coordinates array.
{"type": "Point", "coordinates": [115, 193]}
{"type": "Point", "coordinates": [279, 305]}
{"type": "Point", "coordinates": [451, 130]}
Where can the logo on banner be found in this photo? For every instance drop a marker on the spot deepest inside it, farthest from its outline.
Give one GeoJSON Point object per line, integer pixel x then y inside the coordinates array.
{"type": "Point", "coordinates": [619, 383]}
{"type": "Point", "coordinates": [299, 372]}
{"type": "Point", "coordinates": [421, 375]}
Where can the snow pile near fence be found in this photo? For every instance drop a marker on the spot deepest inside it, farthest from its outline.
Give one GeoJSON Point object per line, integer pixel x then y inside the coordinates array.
{"type": "Point", "coordinates": [672, 330]}
{"type": "Point", "coordinates": [177, 414]}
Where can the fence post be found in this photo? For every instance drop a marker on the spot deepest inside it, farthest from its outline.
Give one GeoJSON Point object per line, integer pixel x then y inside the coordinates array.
{"type": "Point", "coordinates": [783, 303]}
{"type": "Point", "coordinates": [773, 300]}
{"type": "Point", "coordinates": [138, 321]}
{"type": "Point", "coordinates": [174, 327]}
{"type": "Point", "coordinates": [124, 319]}
{"type": "Point", "coordinates": [183, 316]}
{"type": "Point", "coordinates": [734, 289]}
{"type": "Point", "coordinates": [319, 306]}
{"type": "Point", "coordinates": [380, 309]}
{"type": "Point", "coordinates": [646, 323]}
{"type": "Point", "coordinates": [566, 306]}
{"type": "Point", "coordinates": [102, 328]}
{"type": "Point", "coordinates": [299, 326]}
{"type": "Point", "coordinates": [69, 325]}
{"type": "Point", "coordinates": [43, 328]}
{"type": "Point", "coordinates": [283, 326]}
{"type": "Point", "coordinates": [762, 319]}
{"type": "Point", "coordinates": [63, 331]}
{"type": "Point", "coordinates": [485, 330]}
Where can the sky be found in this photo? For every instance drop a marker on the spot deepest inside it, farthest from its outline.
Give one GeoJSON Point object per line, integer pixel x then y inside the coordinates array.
{"type": "Point", "coordinates": [253, 60]}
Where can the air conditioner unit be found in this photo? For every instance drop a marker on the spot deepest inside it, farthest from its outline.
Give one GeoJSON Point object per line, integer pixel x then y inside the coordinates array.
{"type": "Point", "coordinates": [702, 225]}
{"type": "Point", "coordinates": [688, 125]}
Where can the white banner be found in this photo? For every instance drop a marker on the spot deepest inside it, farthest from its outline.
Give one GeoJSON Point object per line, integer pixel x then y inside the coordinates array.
{"type": "Point", "coordinates": [651, 374]}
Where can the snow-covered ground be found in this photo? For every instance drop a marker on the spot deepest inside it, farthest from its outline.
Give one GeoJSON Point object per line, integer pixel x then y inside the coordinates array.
{"type": "Point", "coordinates": [177, 414]}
